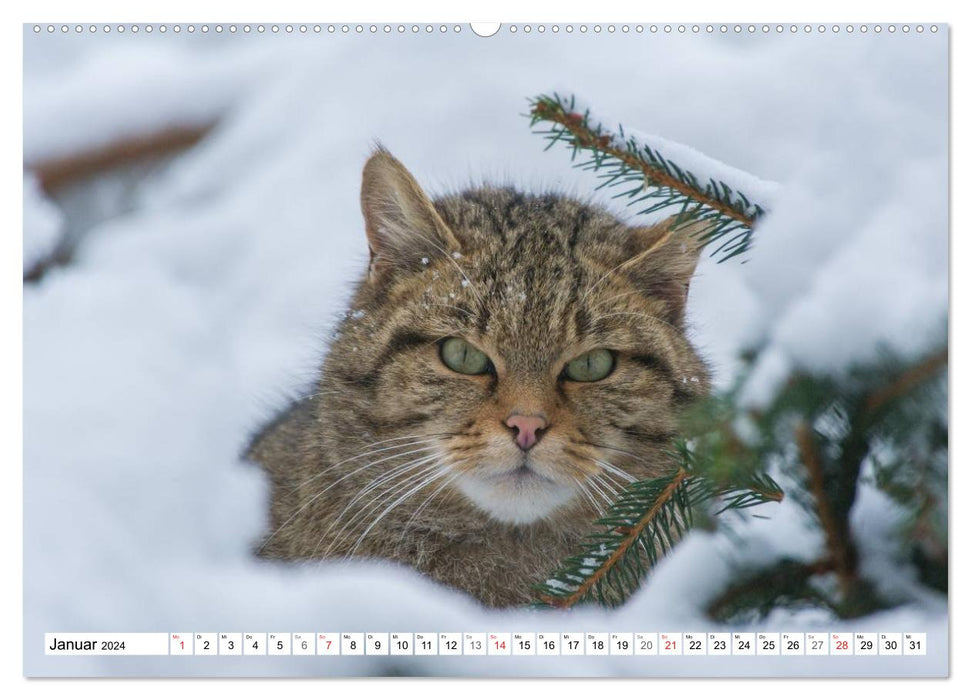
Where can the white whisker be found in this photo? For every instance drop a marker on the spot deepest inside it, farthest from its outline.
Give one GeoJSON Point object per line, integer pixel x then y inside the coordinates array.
{"type": "Point", "coordinates": [428, 500]}
{"type": "Point", "coordinates": [592, 483]}
{"type": "Point", "coordinates": [327, 488]}
{"type": "Point", "coordinates": [385, 478]}
{"type": "Point", "coordinates": [590, 499]}
{"type": "Point", "coordinates": [426, 439]}
{"type": "Point", "coordinates": [374, 504]}
{"type": "Point", "coordinates": [615, 470]}
{"type": "Point", "coordinates": [607, 485]}
{"type": "Point", "coordinates": [387, 510]}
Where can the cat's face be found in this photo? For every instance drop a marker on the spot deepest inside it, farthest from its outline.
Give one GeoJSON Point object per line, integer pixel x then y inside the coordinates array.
{"type": "Point", "coordinates": [535, 342]}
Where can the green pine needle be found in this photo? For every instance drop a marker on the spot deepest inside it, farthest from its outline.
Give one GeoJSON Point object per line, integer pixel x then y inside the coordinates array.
{"type": "Point", "coordinates": [645, 522]}
{"type": "Point", "coordinates": [620, 160]}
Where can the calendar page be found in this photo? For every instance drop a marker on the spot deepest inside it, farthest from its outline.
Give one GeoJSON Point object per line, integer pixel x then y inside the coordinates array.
{"type": "Point", "coordinates": [485, 350]}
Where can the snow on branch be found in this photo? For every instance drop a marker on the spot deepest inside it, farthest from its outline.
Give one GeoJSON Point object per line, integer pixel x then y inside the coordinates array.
{"type": "Point", "coordinates": [659, 174]}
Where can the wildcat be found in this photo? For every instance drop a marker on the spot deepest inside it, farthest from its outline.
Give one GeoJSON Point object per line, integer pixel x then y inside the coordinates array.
{"type": "Point", "coordinates": [508, 364]}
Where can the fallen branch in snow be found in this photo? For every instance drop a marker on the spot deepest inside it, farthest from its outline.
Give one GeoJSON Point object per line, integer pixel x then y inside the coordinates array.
{"type": "Point", "coordinates": [57, 172]}
{"type": "Point", "coordinates": [80, 167]}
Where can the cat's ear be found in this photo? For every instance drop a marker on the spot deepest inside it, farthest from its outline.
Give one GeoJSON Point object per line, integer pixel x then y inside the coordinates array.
{"type": "Point", "coordinates": [663, 260]}
{"type": "Point", "coordinates": [403, 229]}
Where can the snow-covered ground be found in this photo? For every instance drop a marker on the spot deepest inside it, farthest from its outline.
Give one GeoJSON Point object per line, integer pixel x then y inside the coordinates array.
{"type": "Point", "coordinates": [184, 322]}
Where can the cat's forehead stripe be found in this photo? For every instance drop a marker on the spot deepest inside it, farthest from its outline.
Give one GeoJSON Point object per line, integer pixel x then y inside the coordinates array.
{"type": "Point", "coordinates": [535, 277]}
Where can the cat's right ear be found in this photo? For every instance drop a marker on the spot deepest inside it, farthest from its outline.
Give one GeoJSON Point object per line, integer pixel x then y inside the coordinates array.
{"type": "Point", "coordinates": [403, 229]}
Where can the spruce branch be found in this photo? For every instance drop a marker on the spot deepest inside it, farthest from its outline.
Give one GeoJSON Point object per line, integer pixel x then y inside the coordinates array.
{"type": "Point", "coordinates": [829, 431]}
{"type": "Point", "coordinates": [907, 381]}
{"type": "Point", "coordinates": [628, 537]}
{"type": "Point", "coordinates": [842, 555]}
{"type": "Point", "coordinates": [643, 524]}
{"type": "Point", "coordinates": [647, 176]}
{"type": "Point", "coordinates": [836, 426]}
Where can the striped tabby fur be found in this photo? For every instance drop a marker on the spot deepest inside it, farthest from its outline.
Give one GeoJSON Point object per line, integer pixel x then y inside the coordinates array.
{"type": "Point", "coordinates": [398, 457]}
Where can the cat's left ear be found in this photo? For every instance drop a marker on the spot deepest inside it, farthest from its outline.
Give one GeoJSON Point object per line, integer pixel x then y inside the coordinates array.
{"type": "Point", "coordinates": [404, 231]}
{"type": "Point", "coordinates": [663, 261]}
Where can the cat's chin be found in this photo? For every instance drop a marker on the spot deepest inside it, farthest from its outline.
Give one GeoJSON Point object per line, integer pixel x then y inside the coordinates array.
{"type": "Point", "coordinates": [516, 497]}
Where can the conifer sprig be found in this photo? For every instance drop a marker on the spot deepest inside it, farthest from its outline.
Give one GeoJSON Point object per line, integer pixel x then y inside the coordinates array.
{"type": "Point", "coordinates": [647, 176]}
{"type": "Point", "coordinates": [883, 422]}
{"type": "Point", "coordinates": [640, 527]}
{"type": "Point", "coordinates": [822, 432]}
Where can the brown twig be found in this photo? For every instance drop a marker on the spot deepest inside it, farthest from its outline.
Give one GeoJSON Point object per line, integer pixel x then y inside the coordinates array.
{"type": "Point", "coordinates": [627, 543]}
{"type": "Point", "coordinates": [840, 554]}
{"type": "Point", "coordinates": [598, 140]}
{"type": "Point", "coordinates": [906, 381]}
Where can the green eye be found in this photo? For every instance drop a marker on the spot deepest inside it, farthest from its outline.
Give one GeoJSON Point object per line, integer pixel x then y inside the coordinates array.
{"type": "Point", "coordinates": [464, 357]}
{"type": "Point", "coordinates": [590, 366]}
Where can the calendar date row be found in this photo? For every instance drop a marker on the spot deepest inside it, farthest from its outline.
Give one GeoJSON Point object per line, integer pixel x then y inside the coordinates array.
{"type": "Point", "coordinates": [489, 644]}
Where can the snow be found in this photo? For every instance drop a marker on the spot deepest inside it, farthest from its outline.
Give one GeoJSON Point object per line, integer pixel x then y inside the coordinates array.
{"type": "Point", "coordinates": [704, 168]}
{"type": "Point", "coordinates": [156, 82]}
{"type": "Point", "coordinates": [899, 255]}
{"type": "Point", "coordinates": [182, 324]}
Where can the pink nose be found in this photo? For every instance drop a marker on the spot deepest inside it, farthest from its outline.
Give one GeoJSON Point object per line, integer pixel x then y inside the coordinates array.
{"type": "Point", "coordinates": [528, 429]}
